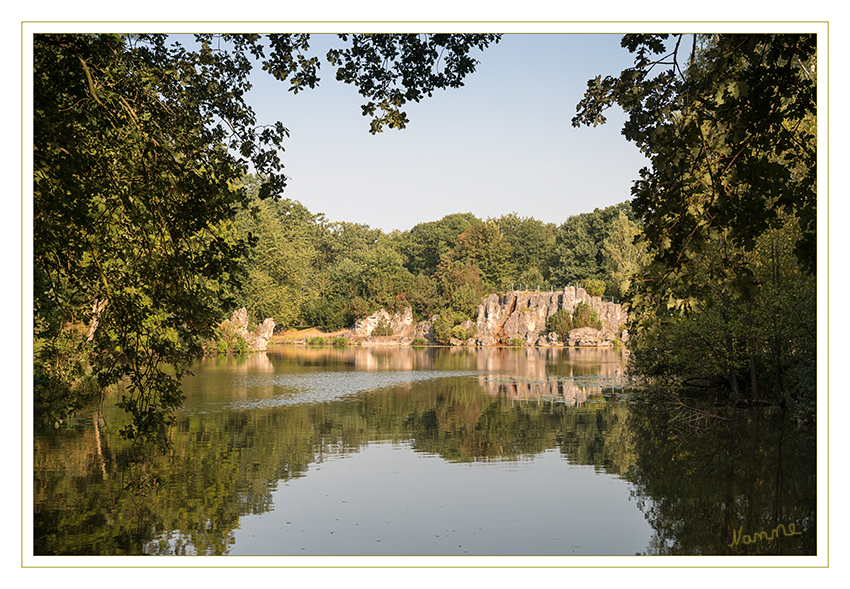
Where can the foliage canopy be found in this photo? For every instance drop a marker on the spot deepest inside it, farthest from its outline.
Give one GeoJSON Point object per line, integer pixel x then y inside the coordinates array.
{"type": "Point", "coordinates": [140, 146]}
{"type": "Point", "coordinates": [730, 132]}
{"type": "Point", "coordinates": [730, 136]}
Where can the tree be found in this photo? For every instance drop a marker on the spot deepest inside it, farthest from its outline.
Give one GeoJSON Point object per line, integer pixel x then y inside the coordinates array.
{"type": "Point", "coordinates": [139, 144]}
{"type": "Point", "coordinates": [624, 253]}
{"type": "Point", "coordinates": [727, 139]}
{"type": "Point", "coordinates": [532, 243]}
{"type": "Point", "coordinates": [357, 270]}
{"type": "Point", "coordinates": [731, 141]}
{"type": "Point", "coordinates": [461, 284]}
{"type": "Point", "coordinates": [764, 346]}
{"type": "Point", "coordinates": [384, 279]}
{"type": "Point", "coordinates": [578, 244]}
{"type": "Point", "coordinates": [391, 70]}
{"type": "Point", "coordinates": [483, 246]}
{"type": "Point", "coordinates": [560, 322]}
{"type": "Point", "coordinates": [576, 251]}
{"type": "Point", "coordinates": [425, 243]}
{"type": "Point", "coordinates": [585, 316]}
{"type": "Point", "coordinates": [594, 287]}
{"type": "Point", "coordinates": [276, 279]}
{"type": "Point", "coordinates": [424, 297]}
{"type": "Point", "coordinates": [132, 170]}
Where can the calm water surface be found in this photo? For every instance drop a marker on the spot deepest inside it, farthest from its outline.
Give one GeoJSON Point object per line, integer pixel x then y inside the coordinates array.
{"type": "Point", "coordinates": [374, 451]}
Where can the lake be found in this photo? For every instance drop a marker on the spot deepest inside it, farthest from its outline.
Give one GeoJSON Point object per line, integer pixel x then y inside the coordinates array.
{"type": "Point", "coordinates": [432, 451]}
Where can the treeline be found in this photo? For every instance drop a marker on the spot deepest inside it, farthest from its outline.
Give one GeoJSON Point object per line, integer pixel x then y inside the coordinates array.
{"type": "Point", "coordinates": [305, 270]}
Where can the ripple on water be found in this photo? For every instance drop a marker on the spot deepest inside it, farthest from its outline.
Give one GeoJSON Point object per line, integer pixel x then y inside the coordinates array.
{"type": "Point", "coordinates": [322, 387]}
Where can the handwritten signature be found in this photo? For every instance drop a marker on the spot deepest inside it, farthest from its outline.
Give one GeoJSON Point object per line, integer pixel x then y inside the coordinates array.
{"type": "Point", "coordinates": [740, 537]}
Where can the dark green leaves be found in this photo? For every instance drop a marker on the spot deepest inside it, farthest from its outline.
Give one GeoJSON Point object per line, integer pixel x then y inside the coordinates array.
{"type": "Point", "coordinates": [724, 135]}
{"type": "Point", "coordinates": [391, 70]}
{"type": "Point", "coordinates": [288, 59]}
{"type": "Point", "coordinates": [729, 132]}
{"type": "Point", "coordinates": [140, 145]}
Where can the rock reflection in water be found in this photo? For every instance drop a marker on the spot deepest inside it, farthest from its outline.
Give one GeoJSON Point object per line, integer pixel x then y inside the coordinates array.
{"type": "Point", "coordinates": [567, 375]}
{"type": "Point", "coordinates": [530, 362]}
{"type": "Point", "coordinates": [241, 373]}
{"type": "Point", "coordinates": [348, 442]}
{"type": "Point", "coordinates": [564, 375]}
{"type": "Point", "coordinates": [515, 389]}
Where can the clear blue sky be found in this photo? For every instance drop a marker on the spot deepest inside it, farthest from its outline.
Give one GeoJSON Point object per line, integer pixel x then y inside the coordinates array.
{"type": "Point", "coordinates": [503, 143]}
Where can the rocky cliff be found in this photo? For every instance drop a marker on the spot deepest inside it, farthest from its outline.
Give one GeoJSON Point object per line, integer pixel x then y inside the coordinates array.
{"type": "Point", "coordinates": [502, 318]}
{"type": "Point", "coordinates": [258, 339]}
{"type": "Point", "coordinates": [400, 323]}
{"type": "Point", "coordinates": [523, 314]}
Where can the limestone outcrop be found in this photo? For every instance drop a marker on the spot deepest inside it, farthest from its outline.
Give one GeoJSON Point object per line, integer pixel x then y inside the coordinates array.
{"type": "Point", "coordinates": [425, 330]}
{"type": "Point", "coordinates": [258, 339]}
{"type": "Point", "coordinates": [523, 314]}
{"type": "Point", "coordinates": [589, 337]}
{"type": "Point", "coordinates": [400, 322]}
{"type": "Point", "coordinates": [502, 318]}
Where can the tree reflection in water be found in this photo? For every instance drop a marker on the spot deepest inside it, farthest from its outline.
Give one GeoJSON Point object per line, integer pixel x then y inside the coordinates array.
{"type": "Point", "coordinates": [236, 440]}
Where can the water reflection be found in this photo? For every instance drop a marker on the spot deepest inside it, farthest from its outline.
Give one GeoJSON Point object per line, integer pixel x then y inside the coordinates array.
{"type": "Point", "coordinates": [529, 362]}
{"type": "Point", "coordinates": [264, 435]}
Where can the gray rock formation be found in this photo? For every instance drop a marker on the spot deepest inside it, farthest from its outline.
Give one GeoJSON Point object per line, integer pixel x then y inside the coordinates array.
{"type": "Point", "coordinates": [258, 339]}
{"type": "Point", "coordinates": [400, 323]}
{"type": "Point", "coordinates": [425, 330]}
{"type": "Point", "coordinates": [517, 314]}
{"type": "Point", "coordinates": [523, 314]}
{"type": "Point", "coordinates": [589, 337]}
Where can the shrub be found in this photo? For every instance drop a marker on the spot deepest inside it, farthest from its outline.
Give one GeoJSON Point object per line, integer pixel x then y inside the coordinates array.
{"type": "Point", "coordinates": [443, 326]}
{"type": "Point", "coordinates": [382, 329]}
{"type": "Point", "coordinates": [340, 342]}
{"type": "Point", "coordinates": [239, 345]}
{"type": "Point", "coordinates": [461, 333]}
{"type": "Point", "coordinates": [560, 322]}
{"type": "Point", "coordinates": [517, 342]}
{"type": "Point", "coordinates": [418, 342]}
{"type": "Point", "coordinates": [460, 317]}
{"type": "Point", "coordinates": [316, 341]}
{"type": "Point", "coordinates": [584, 316]}
{"type": "Point", "coordinates": [594, 287]}
{"type": "Point", "coordinates": [226, 341]}
{"type": "Point", "coordinates": [458, 332]}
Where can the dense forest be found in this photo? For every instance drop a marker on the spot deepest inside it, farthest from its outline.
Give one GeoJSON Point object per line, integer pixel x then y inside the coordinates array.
{"type": "Point", "coordinates": [308, 271]}
{"type": "Point", "coordinates": [148, 229]}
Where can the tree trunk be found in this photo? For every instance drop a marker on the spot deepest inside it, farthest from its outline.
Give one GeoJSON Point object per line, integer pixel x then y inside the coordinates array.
{"type": "Point", "coordinates": [753, 377]}
{"type": "Point", "coordinates": [733, 381]}
{"type": "Point", "coordinates": [730, 348]}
